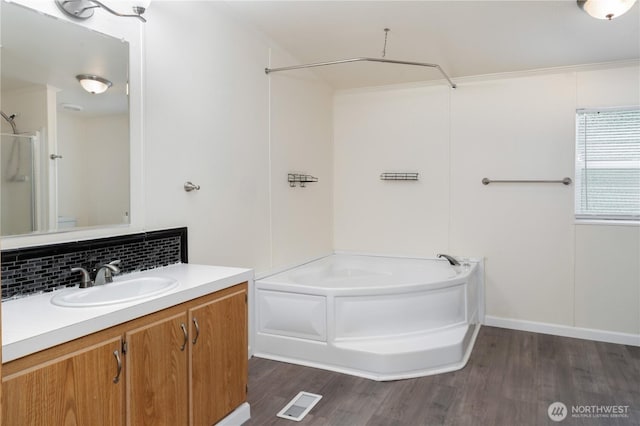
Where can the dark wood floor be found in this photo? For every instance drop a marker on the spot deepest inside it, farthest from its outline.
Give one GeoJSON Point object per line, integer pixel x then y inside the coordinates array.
{"type": "Point", "coordinates": [510, 380]}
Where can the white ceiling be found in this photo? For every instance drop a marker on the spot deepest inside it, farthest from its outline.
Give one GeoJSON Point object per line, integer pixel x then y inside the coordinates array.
{"type": "Point", "coordinates": [465, 38]}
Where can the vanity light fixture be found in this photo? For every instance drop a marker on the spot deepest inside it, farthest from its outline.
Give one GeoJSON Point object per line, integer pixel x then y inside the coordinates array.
{"type": "Point", "coordinates": [93, 84]}
{"type": "Point", "coordinates": [83, 9]}
{"type": "Point", "coordinates": [606, 9]}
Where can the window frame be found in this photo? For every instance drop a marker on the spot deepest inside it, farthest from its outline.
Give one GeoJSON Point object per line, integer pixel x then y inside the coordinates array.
{"type": "Point", "coordinates": [584, 218]}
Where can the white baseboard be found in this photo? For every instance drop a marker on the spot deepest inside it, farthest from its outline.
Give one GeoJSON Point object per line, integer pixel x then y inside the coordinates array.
{"type": "Point", "coordinates": [564, 330]}
{"type": "Point", "coordinates": [237, 417]}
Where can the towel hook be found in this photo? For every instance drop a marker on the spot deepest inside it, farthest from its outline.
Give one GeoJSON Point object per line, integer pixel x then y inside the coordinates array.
{"type": "Point", "coordinates": [189, 186]}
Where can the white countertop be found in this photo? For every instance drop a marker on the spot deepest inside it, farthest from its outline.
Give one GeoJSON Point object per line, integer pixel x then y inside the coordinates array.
{"type": "Point", "coordinates": [33, 323]}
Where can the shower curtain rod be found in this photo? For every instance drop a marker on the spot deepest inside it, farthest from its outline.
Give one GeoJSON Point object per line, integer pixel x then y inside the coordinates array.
{"type": "Point", "coordinates": [344, 61]}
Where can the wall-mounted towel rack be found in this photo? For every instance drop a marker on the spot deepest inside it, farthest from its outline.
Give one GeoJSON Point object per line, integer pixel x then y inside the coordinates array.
{"type": "Point", "coordinates": [399, 176]}
{"type": "Point", "coordinates": [302, 179]}
{"type": "Point", "coordinates": [565, 181]}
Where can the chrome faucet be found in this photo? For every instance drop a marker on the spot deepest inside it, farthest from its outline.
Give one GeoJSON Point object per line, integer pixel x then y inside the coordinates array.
{"type": "Point", "coordinates": [451, 259]}
{"type": "Point", "coordinates": [105, 272]}
{"type": "Point", "coordinates": [86, 278]}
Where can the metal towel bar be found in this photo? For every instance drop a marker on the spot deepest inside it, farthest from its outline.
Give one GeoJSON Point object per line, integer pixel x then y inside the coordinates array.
{"type": "Point", "coordinates": [565, 181]}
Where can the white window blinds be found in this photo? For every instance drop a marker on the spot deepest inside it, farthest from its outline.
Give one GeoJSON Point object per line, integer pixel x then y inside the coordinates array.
{"type": "Point", "coordinates": [608, 164]}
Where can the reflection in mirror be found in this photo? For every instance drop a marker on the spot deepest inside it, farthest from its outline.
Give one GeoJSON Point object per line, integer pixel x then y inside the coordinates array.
{"type": "Point", "coordinates": [64, 154]}
{"type": "Point", "coordinates": [17, 152]}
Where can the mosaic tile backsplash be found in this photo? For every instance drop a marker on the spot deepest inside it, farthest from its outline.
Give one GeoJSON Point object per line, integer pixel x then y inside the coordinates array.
{"type": "Point", "coordinates": [46, 268]}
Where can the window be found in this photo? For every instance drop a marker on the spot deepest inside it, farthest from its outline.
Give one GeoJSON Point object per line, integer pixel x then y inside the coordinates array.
{"type": "Point", "coordinates": [608, 164]}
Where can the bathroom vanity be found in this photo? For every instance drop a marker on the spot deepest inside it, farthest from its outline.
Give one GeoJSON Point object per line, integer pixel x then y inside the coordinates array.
{"type": "Point", "coordinates": [179, 358]}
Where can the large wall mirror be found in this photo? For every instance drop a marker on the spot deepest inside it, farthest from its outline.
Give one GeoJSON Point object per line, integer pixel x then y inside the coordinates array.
{"type": "Point", "coordinates": [65, 153]}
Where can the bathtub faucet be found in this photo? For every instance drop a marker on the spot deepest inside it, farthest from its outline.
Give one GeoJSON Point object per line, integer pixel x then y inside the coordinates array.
{"type": "Point", "coordinates": [451, 259]}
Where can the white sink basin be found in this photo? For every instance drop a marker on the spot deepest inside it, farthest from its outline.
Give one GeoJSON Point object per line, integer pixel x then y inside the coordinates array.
{"type": "Point", "coordinates": [120, 291]}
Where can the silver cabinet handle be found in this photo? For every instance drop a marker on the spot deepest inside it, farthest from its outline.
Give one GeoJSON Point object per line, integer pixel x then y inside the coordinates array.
{"type": "Point", "coordinates": [55, 156]}
{"type": "Point", "coordinates": [195, 323]}
{"type": "Point", "coordinates": [119, 366]}
{"type": "Point", "coordinates": [186, 336]}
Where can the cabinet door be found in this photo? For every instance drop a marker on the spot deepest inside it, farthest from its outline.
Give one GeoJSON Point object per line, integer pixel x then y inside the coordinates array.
{"type": "Point", "coordinates": [218, 357]}
{"type": "Point", "coordinates": [157, 382]}
{"type": "Point", "coordinates": [77, 389]}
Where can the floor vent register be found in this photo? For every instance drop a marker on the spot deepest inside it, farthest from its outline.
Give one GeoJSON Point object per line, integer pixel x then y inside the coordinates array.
{"type": "Point", "coordinates": [299, 406]}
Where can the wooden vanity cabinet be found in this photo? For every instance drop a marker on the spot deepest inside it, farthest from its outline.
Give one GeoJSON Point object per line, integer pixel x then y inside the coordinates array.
{"type": "Point", "coordinates": [185, 365]}
{"type": "Point", "coordinates": [157, 382]}
{"type": "Point", "coordinates": [219, 354]}
{"type": "Point", "coordinates": [84, 387]}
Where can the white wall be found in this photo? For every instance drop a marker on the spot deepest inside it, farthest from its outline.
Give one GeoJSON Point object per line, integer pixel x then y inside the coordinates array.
{"type": "Point", "coordinates": [93, 173]}
{"type": "Point", "coordinates": [539, 265]}
{"type": "Point", "coordinates": [608, 278]}
{"type": "Point", "coordinates": [71, 190]}
{"type": "Point", "coordinates": [378, 131]}
{"type": "Point", "coordinates": [108, 200]}
{"type": "Point", "coordinates": [207, 109]}
{"type": "Point", "coordinates": [301, 141]}
{"type": "Point", "coordinates": [516, 128]}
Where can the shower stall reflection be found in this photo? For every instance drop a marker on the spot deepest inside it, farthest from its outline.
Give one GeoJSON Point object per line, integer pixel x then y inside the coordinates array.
{"type": "Point", "coordinates": [19, 191]}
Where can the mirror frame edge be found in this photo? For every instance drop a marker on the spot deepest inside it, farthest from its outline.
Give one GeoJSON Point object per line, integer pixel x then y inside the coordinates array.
{"type": "Point", "coordinates": [132, 32]}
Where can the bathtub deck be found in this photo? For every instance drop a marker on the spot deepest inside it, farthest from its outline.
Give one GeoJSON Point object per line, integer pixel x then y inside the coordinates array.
{"type": "Point", "coordinates": [510, 379]}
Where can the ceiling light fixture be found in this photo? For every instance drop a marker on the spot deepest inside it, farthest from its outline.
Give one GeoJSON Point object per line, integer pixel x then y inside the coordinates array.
{"type": "Point", "coordinates": [83, 9]}
{"type": "Point", "coordinates": [93, 84]}
{"type": "Point", "coordinates": [606, 9]}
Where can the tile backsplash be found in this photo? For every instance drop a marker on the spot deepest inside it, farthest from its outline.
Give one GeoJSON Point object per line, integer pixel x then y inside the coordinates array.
{"type": "Point", "coordinates": [45, 268]}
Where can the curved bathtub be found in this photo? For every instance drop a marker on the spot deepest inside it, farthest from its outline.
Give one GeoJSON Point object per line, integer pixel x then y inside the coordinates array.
{"type": "Point", "coordinates": [383, 318]}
